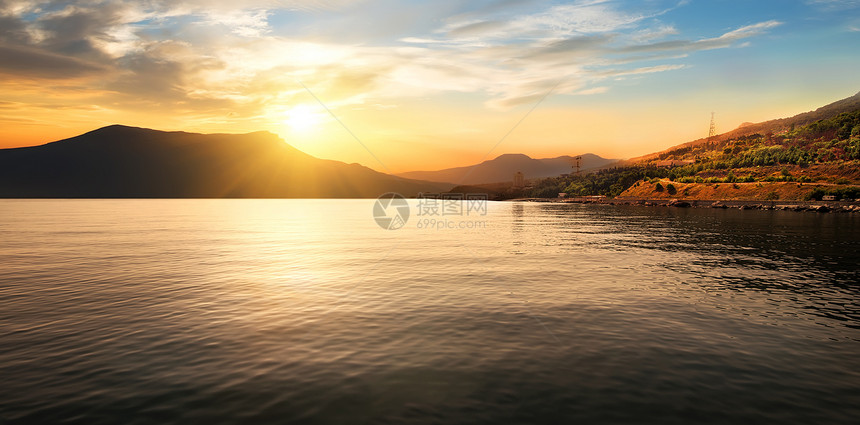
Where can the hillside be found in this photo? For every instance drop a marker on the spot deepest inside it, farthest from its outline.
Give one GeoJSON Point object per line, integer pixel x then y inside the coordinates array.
{"type": "Point", "coordinates": [128, 162]}
{"type": "Point", "coordinates": [803, 157]}
{"type": "Point", "coordinates": [759, 191]}
{"type": "Point", "coordinates": [776, 127]}
{"type": "Point", "coordinates": [503, 167]}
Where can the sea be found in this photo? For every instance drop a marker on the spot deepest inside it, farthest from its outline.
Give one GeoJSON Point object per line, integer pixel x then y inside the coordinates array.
{"type": "Point", "coordinates": [231, 311]}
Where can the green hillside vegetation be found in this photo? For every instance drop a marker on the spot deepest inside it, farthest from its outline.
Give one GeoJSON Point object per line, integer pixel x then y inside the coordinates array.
{"type": "Point", "coordinates": [834, 139]}
{"type": "Point", "coordinates": [826, 151]}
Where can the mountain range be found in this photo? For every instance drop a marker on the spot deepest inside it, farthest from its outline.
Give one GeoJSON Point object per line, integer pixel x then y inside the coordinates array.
{"type": "Point", "coordinates": [503, 167]}
{"type": "Point", "coordinates": [129, 162]}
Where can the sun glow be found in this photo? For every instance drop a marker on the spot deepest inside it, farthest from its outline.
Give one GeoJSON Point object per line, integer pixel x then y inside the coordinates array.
{"type": "Point", "coordinates": [304, 118]}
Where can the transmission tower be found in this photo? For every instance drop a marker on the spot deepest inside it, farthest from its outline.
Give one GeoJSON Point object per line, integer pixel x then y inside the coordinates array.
{"type": "Point", "coordinates": [712, 132]}
{"type": "Point", "coordinates": [577, 163]}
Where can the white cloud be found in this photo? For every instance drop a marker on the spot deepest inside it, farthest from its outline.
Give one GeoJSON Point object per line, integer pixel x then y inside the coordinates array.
{"type": "Point", "coordinates": [749, 30]}
{"type": "Point", "coordinates": [651, 34]}
{"type": "Point", "coordinates": [582, 17]}
{"type": "Point", "coordinates": [245, 23]}
{"type": "Point", "coordinates": [595, 90]}
{"type": "Point", "coordinates": [645, 70]}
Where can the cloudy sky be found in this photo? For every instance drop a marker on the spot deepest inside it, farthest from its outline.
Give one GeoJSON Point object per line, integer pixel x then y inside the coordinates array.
{"type": "Point", "coordinates": [423, 84]}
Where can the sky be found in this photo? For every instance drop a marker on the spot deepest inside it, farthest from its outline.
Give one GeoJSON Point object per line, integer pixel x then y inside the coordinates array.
{"type": "Point", "coordinates": [421, 85]}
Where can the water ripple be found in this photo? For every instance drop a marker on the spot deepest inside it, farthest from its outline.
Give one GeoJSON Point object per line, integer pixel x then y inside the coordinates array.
{"type": "Point", "coordinates": [303, 311]}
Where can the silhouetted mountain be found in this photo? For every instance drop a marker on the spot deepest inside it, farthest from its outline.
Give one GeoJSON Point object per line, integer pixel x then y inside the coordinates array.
{"type": "Point", "coordinates": [128, 162]}
{"type": "Point", "coordinates": [502, 169]}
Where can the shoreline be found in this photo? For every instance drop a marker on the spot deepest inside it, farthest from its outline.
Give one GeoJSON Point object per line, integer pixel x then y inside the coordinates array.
{"type": "Point", "coordinates": [772, 205]}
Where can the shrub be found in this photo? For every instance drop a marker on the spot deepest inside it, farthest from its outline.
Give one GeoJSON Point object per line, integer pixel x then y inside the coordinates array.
{"type": "Point", "coordinates": [670, 189]}
{"type": "Point", "coordinates": [852, 192]}
{"type": "Point", "coordinates": [658, 187]}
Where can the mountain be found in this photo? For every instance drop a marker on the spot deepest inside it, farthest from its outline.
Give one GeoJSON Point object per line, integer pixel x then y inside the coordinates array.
{"type": "Point", "coordinates": [502, 169]}
{"type": "Point", "coordinates": [777, 126]}
{"type": "Point", "coordinates": [128, 162]}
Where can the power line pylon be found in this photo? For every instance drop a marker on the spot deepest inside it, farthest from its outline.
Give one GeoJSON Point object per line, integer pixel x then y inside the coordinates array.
{"type": "Point", "coordinates": [712, 132]}
{"type": "Point", "coordinates": [577, 163]}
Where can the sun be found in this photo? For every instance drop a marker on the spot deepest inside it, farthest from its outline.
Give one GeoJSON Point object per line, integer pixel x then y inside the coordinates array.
{"type": "Point", "coordinates": [303, 118]}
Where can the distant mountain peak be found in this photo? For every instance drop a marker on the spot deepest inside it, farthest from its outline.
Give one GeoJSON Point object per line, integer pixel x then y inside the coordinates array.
{"type": "Point", "coordinates": [512, 156]}
{"type": "Point", "coordinates": [503, 167]}
{"type": "Point", "coordinates": [118, 132]}
{"type": "Point", "coordinates": [120, 128]}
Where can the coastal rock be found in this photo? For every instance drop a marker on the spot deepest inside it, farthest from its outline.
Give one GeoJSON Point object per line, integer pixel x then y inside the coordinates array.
{"type": "Point", "coordinates": [719, 204]}
{"type": "Point", "coordinates": [679, 204]}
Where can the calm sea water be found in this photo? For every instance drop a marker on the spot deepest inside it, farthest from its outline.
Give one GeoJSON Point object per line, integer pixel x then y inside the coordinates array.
{"type": "Point", "coordinates": [305, 311]}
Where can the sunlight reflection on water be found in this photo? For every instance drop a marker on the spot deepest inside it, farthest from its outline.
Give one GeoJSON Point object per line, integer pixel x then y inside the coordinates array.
{"type": "Point", "coordinates": [273, 311]}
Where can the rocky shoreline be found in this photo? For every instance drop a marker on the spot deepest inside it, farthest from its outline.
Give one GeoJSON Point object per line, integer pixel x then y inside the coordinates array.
{"type": "Point", "coordinates": [798, 206]}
